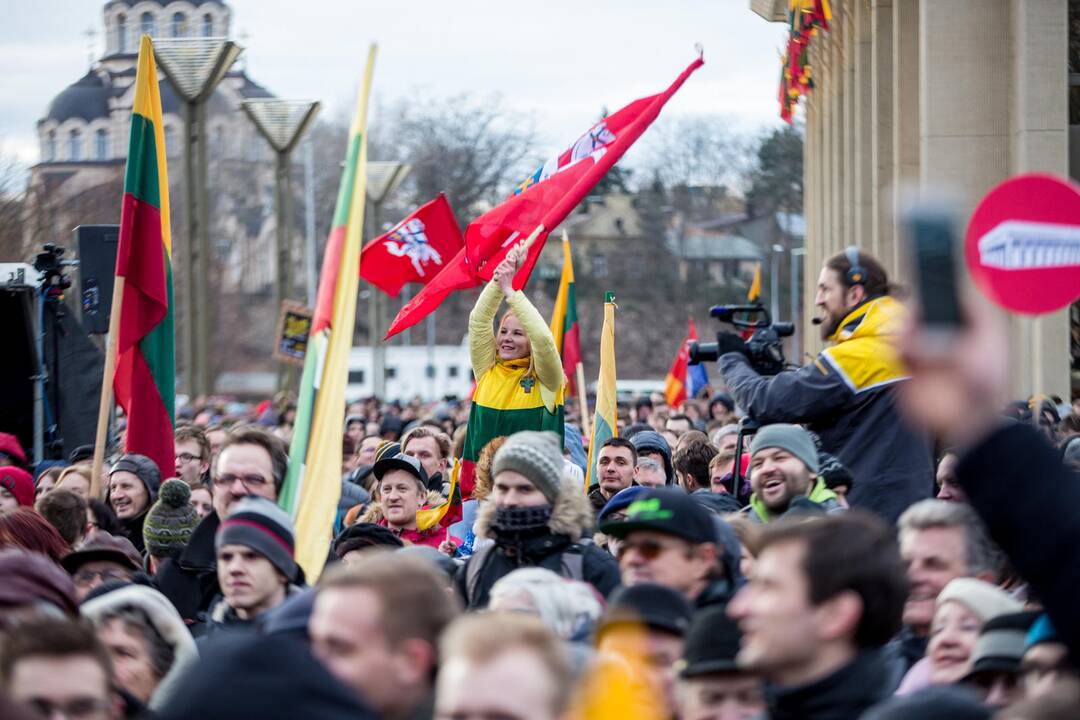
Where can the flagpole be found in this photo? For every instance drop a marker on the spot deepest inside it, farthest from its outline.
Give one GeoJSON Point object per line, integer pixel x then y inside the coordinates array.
{"type": "Point", "coordinates": [106, 388]}
{"type": "Point", "coordinates": [583, 400]}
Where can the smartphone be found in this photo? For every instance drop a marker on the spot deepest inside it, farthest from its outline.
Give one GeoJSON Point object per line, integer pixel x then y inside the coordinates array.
{"type": "Point", "coordinates": [934, 249]}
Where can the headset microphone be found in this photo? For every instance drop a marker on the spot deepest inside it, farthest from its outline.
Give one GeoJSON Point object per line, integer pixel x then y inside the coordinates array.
{"type": "Point", "coordinates": [816, 321]}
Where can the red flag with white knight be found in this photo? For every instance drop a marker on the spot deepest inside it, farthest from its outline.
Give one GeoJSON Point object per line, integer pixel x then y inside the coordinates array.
{"type": "Point", "coordinates": [413, 251]}
{"type": "Point", "coordinates": [542, 200]}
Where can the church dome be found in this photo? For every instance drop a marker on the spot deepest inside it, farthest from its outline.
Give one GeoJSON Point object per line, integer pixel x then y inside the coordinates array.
{"type": "Point", "coordinates": [87, 99]}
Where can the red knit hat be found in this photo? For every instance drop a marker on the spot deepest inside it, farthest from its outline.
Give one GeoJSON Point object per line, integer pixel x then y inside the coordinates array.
{"type": "Point", "coordinates": [19, 482]}
{"type": "Point", "coordinates": [9, 445]}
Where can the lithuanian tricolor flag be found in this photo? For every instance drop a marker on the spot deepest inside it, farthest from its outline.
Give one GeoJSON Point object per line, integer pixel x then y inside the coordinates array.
{"type": "Point", "coordinates": [605, 419]}
{"type": "Point", "coordinates": [564, 321]}
{"type": "Point", "coordinates": [145, 376]}
{"type": "Point", "coordinates": [313, 482]}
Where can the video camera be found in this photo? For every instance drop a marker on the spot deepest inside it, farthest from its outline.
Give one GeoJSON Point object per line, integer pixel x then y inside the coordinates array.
{"type": "Point", "coordinates": [764, 346]}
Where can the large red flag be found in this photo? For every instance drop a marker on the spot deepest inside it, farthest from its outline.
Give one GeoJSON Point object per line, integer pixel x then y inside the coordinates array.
{"type": "Point", "coordinates": [415, 250]}
{"type": "Point", "coordinates": [543, 199]}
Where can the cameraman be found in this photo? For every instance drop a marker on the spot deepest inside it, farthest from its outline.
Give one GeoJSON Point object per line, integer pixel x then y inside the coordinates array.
{"type": "Point", "coordinates": [846, 395]}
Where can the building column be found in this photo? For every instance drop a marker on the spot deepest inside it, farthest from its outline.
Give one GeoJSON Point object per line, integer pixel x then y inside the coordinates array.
{"type": "Point", "coordinates": [1039, 141]}
{"type": "Point", "coordinates": [905, 109]}
{"type": "Point", "coordinates": [862, 55]}
{"type": "Point", "coordinates": [847, 45]}
{"type": "Point", "coordinates": [881, 127]}
{"type": "Point", "coordinates": [838, 165]}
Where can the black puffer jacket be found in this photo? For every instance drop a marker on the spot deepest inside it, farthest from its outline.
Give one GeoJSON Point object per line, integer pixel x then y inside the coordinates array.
{"type": "Point", "coordinates": [571, 517]}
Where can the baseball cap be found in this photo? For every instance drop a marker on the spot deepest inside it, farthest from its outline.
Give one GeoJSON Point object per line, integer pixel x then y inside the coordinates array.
{"type": "Point", "coordinates": [665, 510]}
{"type": "Point", "coordinates": [400, 462]}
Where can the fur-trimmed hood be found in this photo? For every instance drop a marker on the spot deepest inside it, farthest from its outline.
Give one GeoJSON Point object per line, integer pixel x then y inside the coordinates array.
{"type": "Point", "coordinates": [165, 620]}
{"type": "Point", "coordinates": [374, 514]}
{"type": "Point", "coordinates": [571, 514]}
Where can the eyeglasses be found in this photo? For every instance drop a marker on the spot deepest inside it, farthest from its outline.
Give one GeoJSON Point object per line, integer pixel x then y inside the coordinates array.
{"type": "Point", "coordinates": [251, 483]}
{"type": "Point", "coordinates": [185, 458]}
{"type": "Point", "coordinates": [84, 577]}
{"type": "Point", "coordinates": [648, 549]}
{"type": "Point", "coordinates": [83, 708]}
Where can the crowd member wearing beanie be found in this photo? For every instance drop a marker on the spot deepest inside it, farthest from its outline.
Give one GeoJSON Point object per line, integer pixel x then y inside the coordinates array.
{"type": "Point", "coordinates": [711, 685]}
{"type": "Point", "coordinates": [11, 451]}
{"type": "Point", "coordinates": [16, 488]}
{"type": "Point", "coordinates": [783, 467]}
{"type": "Point", "coordinates": [615, 465]}
{"type": "Point", "coordinates": [651, 444]}
{"type": "Point", "coordinates": [33, 586]}
{"type": "Point", "coordinates": [251, 462]}
{"type": "Point", "coordinates": [402, 491]}
{"type": "Point", "coordinates": [995, 662]}
{"type": "Point", "coordinates": [668, 538]}
{"type": "Point", "coordinates": [255, 565]}
{"type": "Point", "coordinates": [376, 627]}
{"type": "Point", "coordinates": [535, 519]}
{"type": "Point", "coordinates": [1047, 667]}
{"type": "Point", "coordinates": [169, 523]}
{"type": "Point", "coordinates": [519, 375]}
{"type": "Point", "coordinates": [149, 644]}
{"type": "Point", "coordinates": [963, 607]}
{"type": "Point", "coordinates": [659, 617]}
{"type": "Point", "coordinates": [101, 558]}
{"type": "Point", "coordinates": [66, 512]}
{"type": "Point", "coordinates": [352, 542]}
{"type": "Point", "coordinates": [133, 486]}
{"type": "Point", "coordinates": [826, 595]}
{"type": "Point", "coordinates": [568, 608]}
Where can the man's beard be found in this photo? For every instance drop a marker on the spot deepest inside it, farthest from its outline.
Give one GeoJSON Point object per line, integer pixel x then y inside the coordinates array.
{"type": "Point", "coordinates": [829, 324]}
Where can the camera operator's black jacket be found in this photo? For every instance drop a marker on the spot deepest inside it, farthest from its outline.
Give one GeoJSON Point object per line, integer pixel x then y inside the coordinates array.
{"type": "Point", "coordinates": [847, 397]}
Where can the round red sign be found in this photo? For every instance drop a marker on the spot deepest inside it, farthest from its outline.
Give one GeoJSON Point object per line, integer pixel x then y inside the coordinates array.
{"type": "Point", "coordinates": [1023, 244]}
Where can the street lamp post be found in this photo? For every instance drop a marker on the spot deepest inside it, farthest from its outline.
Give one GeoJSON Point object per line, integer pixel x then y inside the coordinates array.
{"type": "Point", "coordinates": [195, 66]}
{"type": "Point", "coordinates": [774, 281]}
{"type": "Point", "coordinates": [382, 179]}
{"type": "Point", "coordinates": [282, 123]}
{"type": "Point", "coordinates": [796, 339]}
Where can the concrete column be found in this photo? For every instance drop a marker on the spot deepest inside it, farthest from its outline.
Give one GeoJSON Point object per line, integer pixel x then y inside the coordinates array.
{"type": "Point", "coordinates": [836, 129]}
{"type": "Point", "coordinates": [862, 55]}
{"type": "Point", "coordinates": [881, 127]}
{"type": "Point", "coordinates": [850, 148]}
{"type": "Point", "coordinates": [905, 108]}
{"type": "Point", "coordinates": [1038, 141]}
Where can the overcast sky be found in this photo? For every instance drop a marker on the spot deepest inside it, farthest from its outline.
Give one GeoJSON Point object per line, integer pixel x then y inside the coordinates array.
{"type": "Point", "coordinates": [559, 61]}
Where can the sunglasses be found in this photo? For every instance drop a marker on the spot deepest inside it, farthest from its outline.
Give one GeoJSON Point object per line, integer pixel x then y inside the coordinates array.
{"type": "Point", "coordinates": [649, 549]}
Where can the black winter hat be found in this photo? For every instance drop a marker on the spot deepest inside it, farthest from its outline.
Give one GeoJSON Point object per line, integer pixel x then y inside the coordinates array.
{"type": "Point", "coordinates": [949, 702]}
{"type": "Point", "coordinates": [658, 607]}
{"type": "Point", "coordinates": [278, 679]}
{"type": "Point", "coordinates": [364, 535]}
{"type": "Point", "coordinates": [143, 468]}
{"type": "Point", "coordinates": [712, 642]}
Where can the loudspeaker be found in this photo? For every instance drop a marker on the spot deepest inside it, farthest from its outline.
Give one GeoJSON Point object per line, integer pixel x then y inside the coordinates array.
{"type": "Point", "coordinates": [97, 246]}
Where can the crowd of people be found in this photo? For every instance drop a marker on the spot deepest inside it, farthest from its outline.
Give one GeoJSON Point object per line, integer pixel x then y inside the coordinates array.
{"type": "Point", "coordinates": [874, 535]}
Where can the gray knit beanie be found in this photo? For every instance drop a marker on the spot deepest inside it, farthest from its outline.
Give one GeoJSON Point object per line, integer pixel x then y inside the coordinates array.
{"type": "Point", "coordinates": [171, 520]}
{"type": "Point", "coordinates": [791, 438]}
{"type": "Point", "coordinates": [537, 456]}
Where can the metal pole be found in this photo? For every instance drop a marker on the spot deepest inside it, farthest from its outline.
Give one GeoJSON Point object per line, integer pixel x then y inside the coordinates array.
{"type": "Point", "coordinates": [774, 295]}
{"type": "Point", "coordinates": [281, 252]}
{"type": "Point", "coordinates": [796, 353]}
{"type": "Point", "coordinates": [431, 355]}
{"type": "Point", "coordinates": [378, 352]}
{"type": "Point", "coordinates": [38, 312]}
{"type": "Point", "coordinates": [407, 333]}
{"type": "Point", "coordinates": [309, 223]}
{"type": "Point", "coordinates": [190, 252]}
{"type": "Point", "coordinates": [202, 297]}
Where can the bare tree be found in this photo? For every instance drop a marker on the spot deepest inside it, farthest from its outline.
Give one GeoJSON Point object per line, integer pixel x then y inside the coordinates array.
{"type": "Point", "coordinates": [472, 149]}
{"type": "Point", "coordinates": [698, 150]}
{"type": "Point", "coordinates": [12, 209]}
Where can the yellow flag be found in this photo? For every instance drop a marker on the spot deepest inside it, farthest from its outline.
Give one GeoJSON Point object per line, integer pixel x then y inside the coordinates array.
{"type": "Point", "coordinates": [754, 293]}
